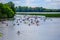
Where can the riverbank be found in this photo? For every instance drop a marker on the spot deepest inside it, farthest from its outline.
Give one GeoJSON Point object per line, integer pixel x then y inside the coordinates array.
{"type": "Point", "coordinates": [47, 14]}
{"type": "Point", "coordinates": [6, 19]}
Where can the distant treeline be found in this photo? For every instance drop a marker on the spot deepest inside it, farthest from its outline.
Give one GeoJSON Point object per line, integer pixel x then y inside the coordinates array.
{"type": "Point", "coordinates": [35, 9]}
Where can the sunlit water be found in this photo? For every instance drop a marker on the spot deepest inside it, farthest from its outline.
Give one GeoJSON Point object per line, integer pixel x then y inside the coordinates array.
{"type": "Point", "coordinates": [48, 29]}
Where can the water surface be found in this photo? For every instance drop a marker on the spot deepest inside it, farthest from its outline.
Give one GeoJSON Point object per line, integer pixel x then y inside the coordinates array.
{"type": "Point", "coordinates": [48, 29]}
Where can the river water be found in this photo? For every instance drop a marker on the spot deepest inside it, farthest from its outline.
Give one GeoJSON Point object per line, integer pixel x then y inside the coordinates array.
{"type": "Point", "coordinates": [23, 29]}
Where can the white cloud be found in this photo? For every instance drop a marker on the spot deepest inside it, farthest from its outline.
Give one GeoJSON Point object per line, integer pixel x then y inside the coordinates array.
{"type": "Point", "coordinates": [52, 3]}
{"type": "Point", "coordinates": [17, 2]}
{"type": "Point", "coordinates": [28, 2]}
{"type": "Point", "coordinates": [2, 1]}
{"type": "Point", "coordinates": [52, 0]}
{"type": "Point", "coordinates": [47, 0]}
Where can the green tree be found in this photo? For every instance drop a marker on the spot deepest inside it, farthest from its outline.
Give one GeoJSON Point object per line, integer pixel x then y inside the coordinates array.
{"type": "Point", "coordinates": [6, 11]}
{"type": "Point", "coordinates": [12, 6]}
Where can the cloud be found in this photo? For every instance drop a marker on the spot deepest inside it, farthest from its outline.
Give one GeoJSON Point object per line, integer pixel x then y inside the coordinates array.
{"type": "Point", "coordinates": [47, 0]}
{"type": "Point", "coordinates": [19, 2]}
{"type": "Point", "coordinates": [52, 4]}
{"type": "Point", "coordinates": [28, 2]}
{"type": "Point", "coordinates": [2, 1]}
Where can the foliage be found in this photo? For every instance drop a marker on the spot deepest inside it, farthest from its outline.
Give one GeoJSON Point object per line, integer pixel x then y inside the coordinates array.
{"type": "Point", "coordinates": [6, 11]}
{"type": "Point", "coordinates": [11, 5]}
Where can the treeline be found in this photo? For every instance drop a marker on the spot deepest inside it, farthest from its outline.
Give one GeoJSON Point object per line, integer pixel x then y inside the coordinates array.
{"type": "Point", "coordinates": [35, 9]}
{"type": "Point", "coordinates": [7, 10]}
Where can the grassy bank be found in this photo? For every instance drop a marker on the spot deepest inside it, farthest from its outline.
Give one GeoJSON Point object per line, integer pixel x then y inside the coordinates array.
{"type": "Point", "coordinates": [47, 14]}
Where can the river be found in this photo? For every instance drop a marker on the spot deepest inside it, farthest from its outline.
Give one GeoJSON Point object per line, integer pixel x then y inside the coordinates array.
{"type": "Point", "coordinates": [23, 29]}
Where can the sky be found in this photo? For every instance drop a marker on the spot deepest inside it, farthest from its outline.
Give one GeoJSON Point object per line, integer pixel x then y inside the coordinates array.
{"type": "Point", "coordinates": [50, 4]}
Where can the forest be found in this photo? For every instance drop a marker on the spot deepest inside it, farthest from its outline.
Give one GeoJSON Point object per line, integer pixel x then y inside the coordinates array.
{"type": "Point", "coordinates": [35, 9]}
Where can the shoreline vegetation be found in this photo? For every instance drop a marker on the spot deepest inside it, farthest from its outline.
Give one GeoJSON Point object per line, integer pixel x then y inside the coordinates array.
{"type": "Point", "coordinates": [47, 14]}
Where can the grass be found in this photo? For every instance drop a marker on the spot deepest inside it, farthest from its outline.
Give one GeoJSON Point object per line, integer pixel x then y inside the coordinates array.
{"type": "Point", "coordinates": [47, 14]}
{"type": "Point", "coordinates": [1, 34]}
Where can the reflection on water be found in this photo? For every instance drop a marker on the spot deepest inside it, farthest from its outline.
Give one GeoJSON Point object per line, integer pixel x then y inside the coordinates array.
{"type": "Point", "coordinates": [28, 27]}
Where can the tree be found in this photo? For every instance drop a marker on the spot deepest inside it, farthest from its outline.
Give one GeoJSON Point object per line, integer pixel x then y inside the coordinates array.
{"type": "Point", "coordinates": [6, 11]}
{"type": "Point", "coordinates": [1, 10]}
{"type": "Point", "coordinates": [12, 6]}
